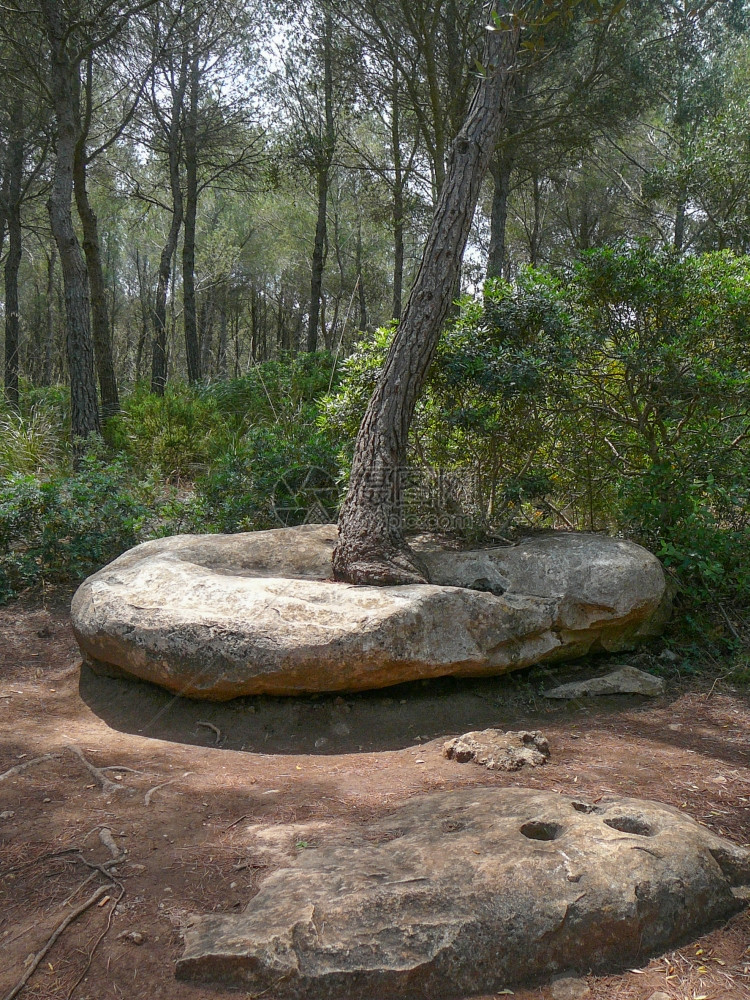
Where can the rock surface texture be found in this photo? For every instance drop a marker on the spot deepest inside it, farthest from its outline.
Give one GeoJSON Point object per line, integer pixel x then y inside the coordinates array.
{"type": "Point", "coordinates": [499, 751]}
{"type": "Point", "coordinates": [217, 616]}
{"type": "Point", "coordinates": [464, 892]}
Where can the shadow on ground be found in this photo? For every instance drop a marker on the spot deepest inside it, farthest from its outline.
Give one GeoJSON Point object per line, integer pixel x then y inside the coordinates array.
{"type": "Point", "coordinates": [387, 719]}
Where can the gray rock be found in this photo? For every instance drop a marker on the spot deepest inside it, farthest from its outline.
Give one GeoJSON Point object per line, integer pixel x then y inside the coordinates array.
{"type": "Point", "coordinates": [498, 751]}
{"type": "Point", "coordinates": [624, 680]}
{"type": "Point", "coordinates": [217, 616]}
{"type": "Point", "coordinates": [569, 988]}
{"type": "Point", "coordinates": [468, 891]}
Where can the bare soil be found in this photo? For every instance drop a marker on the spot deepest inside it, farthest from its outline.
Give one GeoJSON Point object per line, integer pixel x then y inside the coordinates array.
{"type": "Point", "coordinates": [187, 779]}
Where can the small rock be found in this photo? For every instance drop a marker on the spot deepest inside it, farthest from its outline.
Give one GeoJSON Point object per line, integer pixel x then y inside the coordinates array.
{"type": "Point", "coordinates": [8, 814]}
{"type": "Point", "coordinates": [46, 800]}
{"type": "Point", "coordinates": [340, 729]}
{"type": "Point", "coordinates": [569, 988]}
{"type": "Point", "coordinates": [499, 751]}
{"type": "Point", "coordinates": [135, 937]}
{"type": "Point", "coordinates": [660, 996]}
{"type": "Point", "coordinates": [669, 657]}
{"type": "Point", "coordinates": [624, 680]}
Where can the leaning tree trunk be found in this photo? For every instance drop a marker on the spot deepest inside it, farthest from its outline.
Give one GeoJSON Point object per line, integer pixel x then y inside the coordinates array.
{"type": "Point", "coordinates": [84, 410]}
{"type": "Point", "coordinates": [371, 547]}
{"type": "Point", "coordinates": [15, 251]}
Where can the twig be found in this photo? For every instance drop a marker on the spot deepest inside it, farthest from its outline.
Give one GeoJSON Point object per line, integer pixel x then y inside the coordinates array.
{"type": "Point", "coordinates": [235, 823]}
{"type": "Point", "coordinates": [150, 792]}
{"type": "Point", "coordinates": [98, 941]}
{"type": "Point", "coordinates": [60, 929]}
{"type": "Point", "coordinates": [723, 677]}
{"type": "Point", "coordinates": [732, 629]}
{"type": "Point", "coordinates": [213, 728]}
{"type": "Point", "coordinates": [110, 787]}
{"type": "Point", "coordinates": [27, 763]}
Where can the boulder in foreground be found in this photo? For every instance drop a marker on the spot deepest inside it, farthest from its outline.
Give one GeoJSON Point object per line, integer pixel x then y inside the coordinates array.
{"type": "Point", "coordinates": [217, 616]}
{"type": "Point", "coordinates": [464, 892]}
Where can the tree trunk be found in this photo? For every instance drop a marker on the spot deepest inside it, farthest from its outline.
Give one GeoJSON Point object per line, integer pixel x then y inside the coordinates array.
{"type": "Point", "coordinates": [318, 262]}
{"type": "Point", "coordinates": [65, 85]}
{"type": "Point", "coordinates": [92, 251]}
{"type": "Point", "coordinates": [501, 169]}
{"type": "Point", "coordinates": [325, 159]}
{"type": "Point", "coordinates": [371, 547]}
{"type": "Point", "coordinates": [360, 277]}
{"type": "Point", "coordinates": [15, 249]}
{"type": "Point", "coordinates": [679, 223]}
{"type": "Point", "coordinates": [159, 356]}
{"type": "Point", "coordinates": [190, 315]}
{"type": "Point", "coordinates": [398, 200]}
{"type": "Point", "coordinates": [49, 342]}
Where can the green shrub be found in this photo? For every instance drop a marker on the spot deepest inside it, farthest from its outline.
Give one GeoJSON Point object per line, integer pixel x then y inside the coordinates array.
{"type": "Point", "coordinates": [65, 527]}
{"type": "Point", "coordinates": [615, 397]}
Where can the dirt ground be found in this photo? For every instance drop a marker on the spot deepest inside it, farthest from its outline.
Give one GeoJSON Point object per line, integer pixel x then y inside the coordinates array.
{"type": "Point", "coordinates": [187, 783]}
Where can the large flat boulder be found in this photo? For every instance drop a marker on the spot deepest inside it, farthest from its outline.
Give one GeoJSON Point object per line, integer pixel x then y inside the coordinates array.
{"type": "Point", "coordinates": [217, 616]}
{"type": "Point", "coordinates": [468, 891]}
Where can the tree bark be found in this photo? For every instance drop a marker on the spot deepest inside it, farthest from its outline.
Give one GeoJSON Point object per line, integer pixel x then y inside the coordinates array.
{"type": "Point", "coordinates": [501, 169]}
{"type": "Point", "coordinates": [15, 249]}
{"type": "Point", "coordinates": [325, 159]}
{"type": "Point", "coordinates": [190, 314]}
{"type": "Point", "coordinates": [79, 347]}
{"type": "Point", "coordinates": [371, 548]}
{"type": "Point", "coordinates": [398, 199]}
{"type": "Point", "coordinates": [91, 248]}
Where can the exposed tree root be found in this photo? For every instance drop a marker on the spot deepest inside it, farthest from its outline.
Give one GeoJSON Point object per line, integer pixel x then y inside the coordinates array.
{"type": "Point", "coordinates": [110, 787]}
{"type": "Point", "coordinates": [213, 728]}
{"type": "Point", "coordinates": [19, 768]}
{"type": "Point", "coordinates": [60, 929]}
{"type": "Point", "coordinates": [150, 792]}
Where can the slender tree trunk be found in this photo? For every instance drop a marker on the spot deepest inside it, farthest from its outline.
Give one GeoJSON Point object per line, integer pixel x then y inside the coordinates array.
{"type": "Point", "coordinates": [190, 314]}
{"type": "Point", "coordinates": [679, 224]}
{"type": "Point", "coordinates": [325, 159]}
{"type": "Point", "coordinates": [49, 342]}
{"type": "Point", "coordinates": [221, 352]}
{"type": "Point", "coordinates": [159, 356]}
{"type": "Point", "coordinates": [15, 249]}
{"type": "Point", "coordinates": [501, 169]}
{"type": "Point", "coordinates": [207, 332]}
{"type": "Point", "coordinates": [371, 547]}
{"type": "Point", "coordinates": [360, 278]}
{"type": "Point", "coordinates": [97, 286]}
{"type": "Point", "coordinates": [65, 85]}
{"type": "Point", "coordinates": [536, 230]}
{"type": "Point", "coordinates": [318, 261]}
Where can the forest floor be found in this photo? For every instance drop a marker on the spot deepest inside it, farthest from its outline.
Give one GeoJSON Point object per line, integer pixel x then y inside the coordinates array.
{"type": "Point", "coordinates": [187, 783]}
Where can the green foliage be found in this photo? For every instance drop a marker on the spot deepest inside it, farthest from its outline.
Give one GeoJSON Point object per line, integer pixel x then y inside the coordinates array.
{"type": "Point", "coordinates": [614, 397]}
{"type": "Point", "coordinates": [65, 527]}
{"type": "Point", "coordinates": [30, 443]}
{"type": "Point", "coordinates": [174, 434]}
